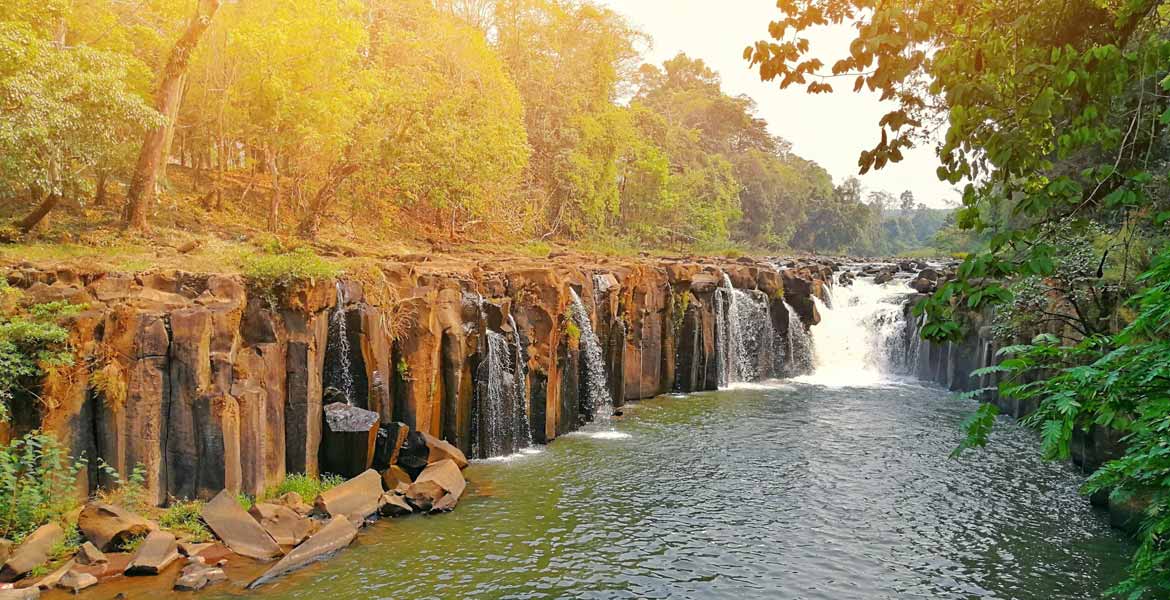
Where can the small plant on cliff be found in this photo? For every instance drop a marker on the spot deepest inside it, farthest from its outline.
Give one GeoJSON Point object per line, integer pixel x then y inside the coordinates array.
{"type": "Point", "coordinates": [37, 484]}
{"type": "Point", "coordinates": [572, 331]}
{"type": "Point", "coordinates": [32, 343]}
{"type": "Point", "coordinates": [270, 273]}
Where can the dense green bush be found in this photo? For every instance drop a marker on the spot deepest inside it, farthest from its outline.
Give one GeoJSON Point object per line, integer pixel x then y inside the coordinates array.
{"type": "Point", "coordinates": [38, 483]}
{"type": "Point", "coordinates": [31, 342]}
{"type": "Point", "coordinates": [305, 485]}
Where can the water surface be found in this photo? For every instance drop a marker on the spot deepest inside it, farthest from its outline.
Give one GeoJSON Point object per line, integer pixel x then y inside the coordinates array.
{"type": "Point", "coordinates": [784, 490]}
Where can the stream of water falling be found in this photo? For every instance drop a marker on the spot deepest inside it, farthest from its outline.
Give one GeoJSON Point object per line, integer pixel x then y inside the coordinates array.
{"type": "Point", "coordinates": [859, 340]}
{"type": "Point", "coordinates": [339, 370]}
{"type": "Point", "coordinates": [598, 401]}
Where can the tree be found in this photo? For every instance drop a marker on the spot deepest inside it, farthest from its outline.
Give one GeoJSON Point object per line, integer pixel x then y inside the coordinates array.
{"type": "Point", "coordinates": [66, 108]}
{"type": "Point", "coordinates": [906, 201]}
{"type": "Point", "coordinates": [167, 99]}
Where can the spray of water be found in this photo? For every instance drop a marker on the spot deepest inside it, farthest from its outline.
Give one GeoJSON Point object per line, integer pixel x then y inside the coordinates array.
{"type": "Point", "coordinates": [859, 340]}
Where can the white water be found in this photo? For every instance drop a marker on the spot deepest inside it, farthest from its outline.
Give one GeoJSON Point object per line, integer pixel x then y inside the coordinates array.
{"type": "Point", "coordinates": [598, 400]}
{"type": "Point", "coordinates": [852, 345]}
{"type": "Point", "coordinates": [339, 374]}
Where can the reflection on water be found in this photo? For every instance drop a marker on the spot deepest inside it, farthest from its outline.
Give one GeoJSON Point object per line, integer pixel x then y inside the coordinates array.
{"type": "Point", "coordinates": [791, 491]}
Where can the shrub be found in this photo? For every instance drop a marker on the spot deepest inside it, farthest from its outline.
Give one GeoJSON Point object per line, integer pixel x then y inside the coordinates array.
{"type": "Point", "coordinates": [31, 344]}
{"type": "Point", "coordinates": [279, 271]}
{"type": "Point", "coordinates": [37, 484]}
{"type": "Point", "coordinates": [185, 520]}
{"type": "Point", "coordinates": [129, 493]}
{"type": "Point", "coordinates": [306, 485]}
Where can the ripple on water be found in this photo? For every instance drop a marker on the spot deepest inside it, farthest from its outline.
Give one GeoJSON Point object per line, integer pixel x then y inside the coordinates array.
{"type": "Point", "coordinates": [792, 491]}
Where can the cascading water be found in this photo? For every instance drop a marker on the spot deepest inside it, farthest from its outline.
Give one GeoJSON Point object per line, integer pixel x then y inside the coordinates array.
{"type": "Point", "coordinates": [747, 341]}
{"type": "Point", "coordinates": [800, 346]}
{"type": "Point", "coordinates": [598, 400]}
{"type": "Point", "coordinates": [523, 434]}
{"type": "Point", "coordinates": [501, 393]}
{"type": "Point", "coordinates": [860, 339]}
{"type": "Point", "coordinates": [339, 371]}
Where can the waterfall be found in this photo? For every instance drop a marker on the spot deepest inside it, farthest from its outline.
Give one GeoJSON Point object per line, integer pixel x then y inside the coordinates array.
{"type": "Point", "coordinates": [598, 400]}
{"type": "Point", "coordinates": [800, 348]}
{"type": "Point", "coordinates": [523, 434]}
{"type": "Point", "coordinates": [861, 339]}
{"type": "Point", "coordinates": [500, 418]}
{"type": "Point", "coordinates": [339, 371]}
{"type": "Point", "coordinates": [747, 339]}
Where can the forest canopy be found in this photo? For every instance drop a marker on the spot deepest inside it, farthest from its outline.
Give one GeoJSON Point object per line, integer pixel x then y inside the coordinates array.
{"type": "Point", "coordinates": [510, 119]}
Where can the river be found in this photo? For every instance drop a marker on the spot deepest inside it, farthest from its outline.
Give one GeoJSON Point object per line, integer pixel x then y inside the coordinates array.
{"type": "Point", "coordinates": [831, 486]}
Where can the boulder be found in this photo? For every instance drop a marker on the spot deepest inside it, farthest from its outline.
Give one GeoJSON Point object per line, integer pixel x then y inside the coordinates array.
{"type": "Point", "coordinates": [294, 501]}
{"type": "Point", "coordinates": [923, 286]}
{"type": "Point", "coordinates": [33, 553]}
{"type": "Point", "coordinates": [285, 526]}
{"type": "Point", "coordinates": [440, 450]}
{"type": "Point", "coordinates": [445, 504]}
{"type": "Point", "coordinates": [332, 538]}
{"type": "Point", "coordinates": [394, 505]}
{"type": "Point", "coordinates": [89, 554]}
{"type": "Point", "coordinates": [883, 277]}
{"type": "Point", "coordinates": [107, 525]}
{"type": "Point", "coordinates": [238, 530]}
{"type": "Point", "coordinates": [75, 581]}
{"type": "Point", "coordinates": [49, 581]}
{"type": "Point", "coordinates": [350, 435]}
{"type": "Point", "coordinates": [435, 482]}
{"type": "Point", "coordinates": [157, 552]}
{"type": "Point", "coordinates": [197, 575]}
{"type": "Point", "coordinates": [395, 478]}
{"type": "Point", "coordinates": [355, 499]}
{"type": "Point", "coordinates": [391, 436]}
{"type": "Point", "coordinates": [929, 274]}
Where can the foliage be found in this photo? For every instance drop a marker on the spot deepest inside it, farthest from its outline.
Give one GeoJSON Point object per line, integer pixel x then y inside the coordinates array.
{"type": "Point", "coordinates": [32, 343]}
{"type": "Point", "coordinates": [280, 271]}
{"type": "Point", "coordinates": [37, 484]}
{"type": "Point", "coordinates": [307, 486]}
{"type": "Point", "coordinates": [185, 519]}
{"type": "Point", "coordinates": [128, 492]}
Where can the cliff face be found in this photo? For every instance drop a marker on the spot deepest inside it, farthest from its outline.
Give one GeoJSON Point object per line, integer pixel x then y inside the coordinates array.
{"type": "Point", "coordinates": [209, 384]}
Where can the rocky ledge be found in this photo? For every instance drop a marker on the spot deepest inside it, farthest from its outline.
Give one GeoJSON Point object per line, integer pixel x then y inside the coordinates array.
{"type": "Point", "coordinates": [213, 387]}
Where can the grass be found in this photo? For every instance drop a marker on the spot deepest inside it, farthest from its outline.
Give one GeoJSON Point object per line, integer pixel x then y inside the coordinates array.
{"type": "Point", "coordinates": [185, 520]}
{"type": "Point", "coordinates": [307, 486]}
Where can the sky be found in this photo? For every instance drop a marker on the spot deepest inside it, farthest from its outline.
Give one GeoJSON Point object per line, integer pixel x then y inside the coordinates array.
{"type": "Point", "coordinates": [831, 129]}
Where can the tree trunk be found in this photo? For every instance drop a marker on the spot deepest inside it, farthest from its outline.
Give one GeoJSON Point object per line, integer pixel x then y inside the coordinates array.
{"type": "Point", "coordinates": [274, 207]}
{"type": "Point", "coordinates": [99, 196]}
{"type": "Point", "coordinates": [312, 222]}
{"type": "Point", "coordinates": [40, 212]}
{"type": "Point", "coordinates": [142, 185]}
{"type": "Point", "coordinates": [172, 123]}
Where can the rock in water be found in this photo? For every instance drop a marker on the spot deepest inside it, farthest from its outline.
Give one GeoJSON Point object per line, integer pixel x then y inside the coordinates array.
{"type": "Point", "coordinates": [76, 581]}
{"type": "Point", "coordinates": [156, 553]}
{"type": "Point", "coordinates": [394, 505]}
{"type": "Point", "coordinates": [28, 593]}
{"type": "Point", "coordinates": [396, 477]}
{"type": "Point", "coordinates": [196, 576]}
{"type": "Point", "coordinates": [434, 483]}
{"type": "Point", "coordinates": [107, 525]}
{"type": "Point", "coordinates": [332, 538]}
{"type": "Point", "coordinates": [355, 499]}
{"type": "Point", "coordinates": [238, 530]}
{"type": "Point", "coordinates": [33, 553]}
{"type": "Point", "coordinates": [351, 433]}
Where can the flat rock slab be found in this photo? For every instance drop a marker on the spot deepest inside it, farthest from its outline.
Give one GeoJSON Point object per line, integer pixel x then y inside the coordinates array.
{"type": "Point", "coordinates": [285, 526]}
{"type": "Point", "coordinates": [196, 576]}
{"type": "Point", "coordinates": [106, 525]}
{"type": "Point", "coordinates": [158, 551]}
{"type": "Point", "coordinates": [332, 538]}
{"type": "Point", "coordinates": [33, 553]}
{"type": "Point", "coordinates": [346, 418]}
{"type": "Point", "coordinates": [76, 581]}
{"type": "Point", "coordinates": [238, 530]}
{"type": "Point", "coordinates": [28, 593]}
{"type": "Point", "coordinates": [355, 499]}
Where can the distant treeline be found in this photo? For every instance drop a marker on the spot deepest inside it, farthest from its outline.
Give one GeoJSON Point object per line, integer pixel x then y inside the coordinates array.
{"type": "Point", "coordinates": [524, 118]}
